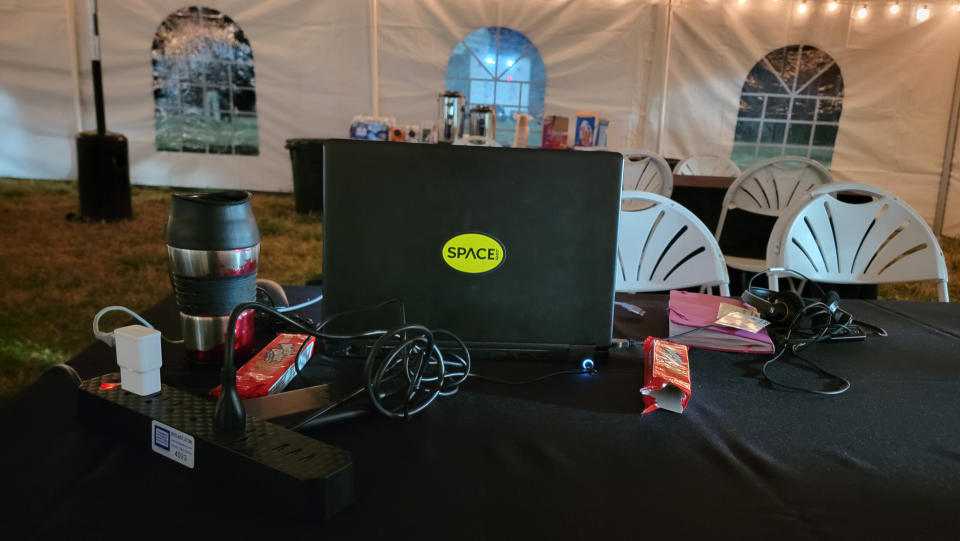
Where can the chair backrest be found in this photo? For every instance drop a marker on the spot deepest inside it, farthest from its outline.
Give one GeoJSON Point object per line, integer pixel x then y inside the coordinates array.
{"type": "Point", "coordinates": [476, 141]}
{"type": "Point", "coordinates": [770, 186]}
{"type": "Point", "coordinates": [882, 240]}
{"type": "Point", "coordinates": [707, 165]}
{"type": "Point", "coordinates": [646, 172]}
{"type": "Point", "coordinates": [665, 246]}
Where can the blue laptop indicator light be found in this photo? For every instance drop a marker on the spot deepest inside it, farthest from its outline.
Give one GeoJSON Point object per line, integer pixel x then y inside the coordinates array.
{"type": "Point", "coordinates": [587, 365]}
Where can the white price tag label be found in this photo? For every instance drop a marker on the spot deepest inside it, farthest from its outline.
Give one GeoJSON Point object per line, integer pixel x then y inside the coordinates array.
{"type": "Point", "coordinates": [172, 443]}
{"type": "Point", "coordinates": [727, 308]}
{"type": "Point", "coordinates": [746, 322]}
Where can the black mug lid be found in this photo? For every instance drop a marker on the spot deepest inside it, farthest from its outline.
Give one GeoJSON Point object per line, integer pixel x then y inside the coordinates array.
{"type": "Point", "coordinates": [225, 197]}
{"type": "Point", "coordinates": [220, 220]}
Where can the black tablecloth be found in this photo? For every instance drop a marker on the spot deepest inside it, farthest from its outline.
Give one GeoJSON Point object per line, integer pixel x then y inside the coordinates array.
{"type": "Point", "coordinates": [570, 457]}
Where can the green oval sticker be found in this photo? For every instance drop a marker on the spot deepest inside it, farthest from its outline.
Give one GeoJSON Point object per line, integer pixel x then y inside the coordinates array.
{"type": "Point", "coordinates": [473, 253]}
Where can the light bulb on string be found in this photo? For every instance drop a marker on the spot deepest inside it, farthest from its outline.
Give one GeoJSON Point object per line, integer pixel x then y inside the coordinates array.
{"type": "Point", "coordinates": [802, 8]}
{"type": "Point", "coordinates": [895, 8]}
{"type": "Point", "coordinates": [741, 2]}
{"type": "Point", "coordinates": [958, 6]}
{"type": "Point", "coordinates": [923, 13]}
{"type": "Point", "coordinates": [862, 12]}
{"type": "Point", "coordinates": [833, 5]}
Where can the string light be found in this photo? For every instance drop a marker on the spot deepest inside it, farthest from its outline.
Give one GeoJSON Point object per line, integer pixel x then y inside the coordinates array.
{"type": "Point", "coordinates": [923, 13]}
{"type": "Point", "coordinates": [833, 5]}
{"type": "Point", "coordinates": [895, 8]}
{"type": "Point", "coordinates": [802, 8]}
{"type": "Point", "coordinates": [741, 2]}
{"type": "Point", "coordinates": [958, 6]}
{"type": "Point", "coordinates": [862, 12]}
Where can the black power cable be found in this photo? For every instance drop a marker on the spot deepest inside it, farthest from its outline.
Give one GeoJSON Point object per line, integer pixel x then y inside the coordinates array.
{"type": "Point", "coordinates": [405, 370]}
{"type": "Point", "coordinates": [793, 343]}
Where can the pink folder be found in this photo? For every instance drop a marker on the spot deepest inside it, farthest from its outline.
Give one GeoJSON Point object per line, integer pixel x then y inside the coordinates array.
{"type": "Point", "coordinates": [691, 310]}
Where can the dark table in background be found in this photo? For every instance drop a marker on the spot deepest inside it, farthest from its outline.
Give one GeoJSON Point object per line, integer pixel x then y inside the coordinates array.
{"type": "Point", "coordinates": [570, 457]}
{"type": "Point", "coordinates": [702, 195]}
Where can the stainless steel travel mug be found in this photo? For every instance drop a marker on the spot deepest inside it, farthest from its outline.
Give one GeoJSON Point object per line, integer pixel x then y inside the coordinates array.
{"type": "Point", "coordinates": [213, 246]}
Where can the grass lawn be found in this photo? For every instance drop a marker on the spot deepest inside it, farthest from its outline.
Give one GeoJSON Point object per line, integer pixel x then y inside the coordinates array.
{"type": "Point", "coordinates": [56, 273]}
{"type": "Point", "coordinates": [199, 133]}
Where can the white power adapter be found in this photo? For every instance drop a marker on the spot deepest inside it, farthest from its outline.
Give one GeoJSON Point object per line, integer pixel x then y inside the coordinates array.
{"type": "Point", "coordinates": [139, 356]}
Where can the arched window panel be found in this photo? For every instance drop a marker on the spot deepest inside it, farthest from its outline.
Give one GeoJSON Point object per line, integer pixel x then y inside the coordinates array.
{"type": "Point", "coordinates": [499, 66]}
{"type": "Point", "coordinates": [203, 85]}
{"type": "Point", "coordinates": [790, 104]}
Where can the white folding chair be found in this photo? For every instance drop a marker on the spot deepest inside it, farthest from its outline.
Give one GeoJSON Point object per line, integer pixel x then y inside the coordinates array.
{"type": "Point", "coordinates": [879, 241]}
{"type": "Point", "coordinates": [646, 172]}
{"type": "Point", "coordinates": [707, 165]}
{"type": "Point", "coordinates": [665, 246]}
{"type": "Point", "coordinates": [768, 188]}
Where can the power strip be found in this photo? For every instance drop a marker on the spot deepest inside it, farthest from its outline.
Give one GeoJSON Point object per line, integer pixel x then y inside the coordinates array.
{"type": "Point", "coordinates": [307, 476]}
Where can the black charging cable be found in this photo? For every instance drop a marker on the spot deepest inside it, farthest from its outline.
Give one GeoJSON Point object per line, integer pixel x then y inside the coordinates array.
{"type": "Point", "coordinates": [404, 372]}
{"type": "Point", "coordinates": [795, 345]}
{"type": "Point", "coordinates": [828, 310]}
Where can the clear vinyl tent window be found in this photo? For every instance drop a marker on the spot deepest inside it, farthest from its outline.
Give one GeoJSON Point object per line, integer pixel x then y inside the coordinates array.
{"type": "Point", "coordinates": [500, 67]}
{"type": "Point", "coordinates": [790, 105]}
{"type": "Point", "coordinates": [203, 85]}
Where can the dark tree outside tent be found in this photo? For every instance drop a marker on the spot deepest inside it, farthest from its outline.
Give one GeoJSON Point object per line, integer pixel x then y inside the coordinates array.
{"type": "Point", "coordinates": [790, 104]}
{"type": "Point", "coordinates": [500, 67]}
{"type": "Point", "coordinates": [203, 85]}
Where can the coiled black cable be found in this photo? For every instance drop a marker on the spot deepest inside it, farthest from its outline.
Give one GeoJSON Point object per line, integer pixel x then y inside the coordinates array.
{"type": "Point", "coordinates": [403, 381]}
{"type": "Point", "coordinates": [414, 372]}
{"type": "Point", "coordinates": [404, 371]}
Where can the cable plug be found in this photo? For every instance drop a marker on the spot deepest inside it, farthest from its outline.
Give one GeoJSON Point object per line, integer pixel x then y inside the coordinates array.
{"type": "Point", "coordinates": [229, 415]}
{"type": "Point", "coordinates": [588, 366]}
{"type": "Point", "coordinates": [624, 343]}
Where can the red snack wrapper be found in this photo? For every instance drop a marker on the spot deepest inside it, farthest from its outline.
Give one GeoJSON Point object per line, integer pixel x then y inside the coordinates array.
{"type": "Point", "coordinates": [666, 375]}
{"type": "Point", "coordinates": [271, 370]}
{"type": "Point", "coordinates": [555, 131]}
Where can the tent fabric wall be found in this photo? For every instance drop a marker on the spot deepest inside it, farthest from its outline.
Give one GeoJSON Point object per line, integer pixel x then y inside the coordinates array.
{"type": "Point", "coordinates": [312, 65]}
{"type": "Point", "coordinates": [598, 55]}
{"type": "Point", "coordinates": [951, 218]}
{"type": "Point", "coordinates": [37, 114]}
{"type": "Point", "coordinates": [898, 77]}
{"type": "Point", "coordinates": [314, 72]}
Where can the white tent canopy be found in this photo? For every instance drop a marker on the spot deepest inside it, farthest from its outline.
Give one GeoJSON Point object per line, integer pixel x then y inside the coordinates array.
{"type": "Point", "coordinates": [319, 63]}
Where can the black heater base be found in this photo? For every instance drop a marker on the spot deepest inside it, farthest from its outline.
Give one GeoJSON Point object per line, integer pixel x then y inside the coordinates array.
{"type": "Point", "coordinates": [103, 175]}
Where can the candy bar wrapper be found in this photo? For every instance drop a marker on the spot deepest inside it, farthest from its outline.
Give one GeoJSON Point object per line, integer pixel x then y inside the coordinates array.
{"type": "Point", "coordinates": [666, 375]}
{"type": "Point", "coordinates": [271, 370]}
{"type": "Point", "coordinates": [555, 131]}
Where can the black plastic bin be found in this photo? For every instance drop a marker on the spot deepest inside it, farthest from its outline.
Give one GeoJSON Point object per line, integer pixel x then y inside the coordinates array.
{"type": "Point", "coordinates": [307, 158]}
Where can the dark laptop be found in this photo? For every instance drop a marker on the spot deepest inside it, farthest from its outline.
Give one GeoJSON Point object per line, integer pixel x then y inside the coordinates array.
{"type": "Point", "coordinates": [510, 249]}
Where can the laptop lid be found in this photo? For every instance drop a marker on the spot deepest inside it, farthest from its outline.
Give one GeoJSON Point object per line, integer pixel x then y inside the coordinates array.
{"type": "Point", "coordinates": [507, 248]}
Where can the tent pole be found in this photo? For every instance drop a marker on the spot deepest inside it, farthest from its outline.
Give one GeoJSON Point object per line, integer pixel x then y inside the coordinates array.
{"type": "Point", "coordinates": [375, 57]}
{"type": "Point", "coordinates": [948, 157]}
{"type": "Point", "coordinates": [96, 72]}
{"type": "Point", "coordinates": [73, 51]}
{"type": "Point", "coordinates": [666, 73]}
